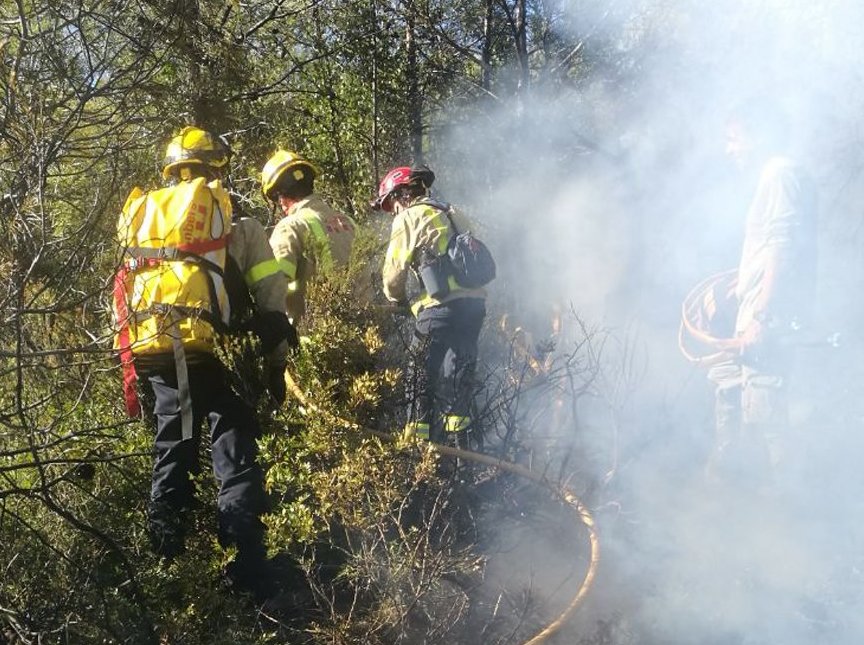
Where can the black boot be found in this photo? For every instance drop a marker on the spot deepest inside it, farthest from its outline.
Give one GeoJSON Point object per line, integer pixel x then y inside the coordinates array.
{"type": "Point", "coordinates": [250, 572]}
{"type": "Point", "coordinates": [167, 529]}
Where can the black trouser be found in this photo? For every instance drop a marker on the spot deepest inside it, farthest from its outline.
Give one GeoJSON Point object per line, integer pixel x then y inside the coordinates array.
{"type": "Point", "coordinates": [233, 431]}
{"type": "Point", "coordinates": [445, 336]}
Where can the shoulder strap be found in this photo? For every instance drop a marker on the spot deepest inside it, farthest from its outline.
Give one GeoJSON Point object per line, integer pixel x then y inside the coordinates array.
{"type": "Point", "coordinates": [238, 292]}
{"type": "Point", "coordinates": [445, 208]}
{"type": "Point", "coordinates": [450, 219]}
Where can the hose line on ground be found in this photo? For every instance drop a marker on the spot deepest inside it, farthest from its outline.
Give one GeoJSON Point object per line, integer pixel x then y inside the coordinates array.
{"type": "Point", "coordinates": [559, 490]}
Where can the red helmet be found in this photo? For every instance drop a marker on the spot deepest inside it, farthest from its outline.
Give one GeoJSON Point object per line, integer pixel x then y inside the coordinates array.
{"type": "Point", "coordinates": [401, 176]}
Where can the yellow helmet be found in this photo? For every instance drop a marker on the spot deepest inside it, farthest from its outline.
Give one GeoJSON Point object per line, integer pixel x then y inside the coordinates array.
{"type": "Point", "coordinates": [276, 172]}
{"type": "Point", "coordinates": [194, 145]}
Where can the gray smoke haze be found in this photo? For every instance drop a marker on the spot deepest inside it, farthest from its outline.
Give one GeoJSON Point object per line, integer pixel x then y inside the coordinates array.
{"type": "Point", "coordinates": [614, 196]}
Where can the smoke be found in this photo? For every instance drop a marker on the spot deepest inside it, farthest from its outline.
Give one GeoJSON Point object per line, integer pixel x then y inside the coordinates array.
{"type": "Point", "coordinates": [611, 194]}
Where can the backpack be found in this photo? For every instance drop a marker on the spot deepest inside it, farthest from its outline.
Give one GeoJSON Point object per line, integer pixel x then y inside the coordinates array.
{"type": "Point", "coordinates": [471, 262]}
{"type": "Point", "coordinates": [169, 292]}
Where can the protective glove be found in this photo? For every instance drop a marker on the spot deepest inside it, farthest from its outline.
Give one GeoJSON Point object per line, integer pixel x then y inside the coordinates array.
{"type": "Point", "coordinates": [274, 327]}
{"type": "Point", "coordinates": [291, 336]}
{"type": "Point", "coordinates": [276, 382]}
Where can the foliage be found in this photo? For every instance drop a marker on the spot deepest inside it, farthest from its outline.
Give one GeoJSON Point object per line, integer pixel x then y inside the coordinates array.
{"type": "Point", "coordinates": [389, 543]}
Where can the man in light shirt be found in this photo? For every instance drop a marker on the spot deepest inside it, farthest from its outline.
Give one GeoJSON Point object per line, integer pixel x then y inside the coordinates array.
{"type": "Point", "coordinates": [775, 288]}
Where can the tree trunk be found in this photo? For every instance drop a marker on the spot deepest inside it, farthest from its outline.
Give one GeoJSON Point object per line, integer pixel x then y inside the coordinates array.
{"type": "Point", "coordinates": [376, 171]}
{"type": "Point", "coordinates": [522, 45]}
{"type": "Point", "coordinates": [486, 54]}
{"type": "Point", "coordinates": [412, 81]}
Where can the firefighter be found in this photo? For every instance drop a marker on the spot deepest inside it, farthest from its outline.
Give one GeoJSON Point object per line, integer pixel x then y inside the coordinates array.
{"type": "Point", "coordinates": [311, 237]}
{"type": "Point", "coordinates": [775, 284]}
{"type": "Point", "coordinates": [186, 258]}
{"type": "Point", "coordinates": [447, 327]}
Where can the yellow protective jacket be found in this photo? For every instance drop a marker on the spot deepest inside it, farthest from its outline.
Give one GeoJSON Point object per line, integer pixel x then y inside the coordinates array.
{"type": "Point", "coordinates": [423, 225]}
{"type": "Point", "coordinates": [171, 299]}
{"type": "Point", "coordinates": [156, 235]}
{"type": "Point", "coordinates": [312, 238]}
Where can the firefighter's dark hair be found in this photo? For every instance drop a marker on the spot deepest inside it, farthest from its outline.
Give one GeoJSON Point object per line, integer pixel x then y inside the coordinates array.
{"type": "Point", "coordinates": [294, 188]}
{"type": "Point", "coordinates": [409, 192]}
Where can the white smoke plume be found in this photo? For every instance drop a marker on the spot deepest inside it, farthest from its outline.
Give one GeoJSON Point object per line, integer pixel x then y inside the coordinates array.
{"type": "Point", "coordinates": [612, 194]}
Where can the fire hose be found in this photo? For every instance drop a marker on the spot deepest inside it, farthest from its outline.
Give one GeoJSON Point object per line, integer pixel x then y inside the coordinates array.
{"type": "Point", "coordinates": [713, 299]}
{"type": "Point", "coordinates": [700, 306]}
{"type": "Point", "coordinates": [561, 491]}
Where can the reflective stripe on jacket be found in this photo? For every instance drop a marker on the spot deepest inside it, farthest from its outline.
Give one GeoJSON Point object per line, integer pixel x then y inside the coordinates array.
{"type": "Point", "coordinates": [249, 247]}
{"type": "Point", "coordinates": [313, 237]}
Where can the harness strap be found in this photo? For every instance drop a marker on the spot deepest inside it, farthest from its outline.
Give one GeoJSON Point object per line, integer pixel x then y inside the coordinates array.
{"type": "Point", "coordinates": [184, 394]}
{"type": "Point", "coordinates": [192, 248]}
{"type": "Point", "coordinates": [179, 312]}
{"type": "Point", "coordinates": [148, 257]}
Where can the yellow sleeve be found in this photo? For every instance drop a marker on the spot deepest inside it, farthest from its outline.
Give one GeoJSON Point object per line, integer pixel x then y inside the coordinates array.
{"type": "Point", "coordinates": [267, 284]}
{"type": "Point", "coordinates": [287, 244]}
{"type": "Point", "coordinates": [397, 260]}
